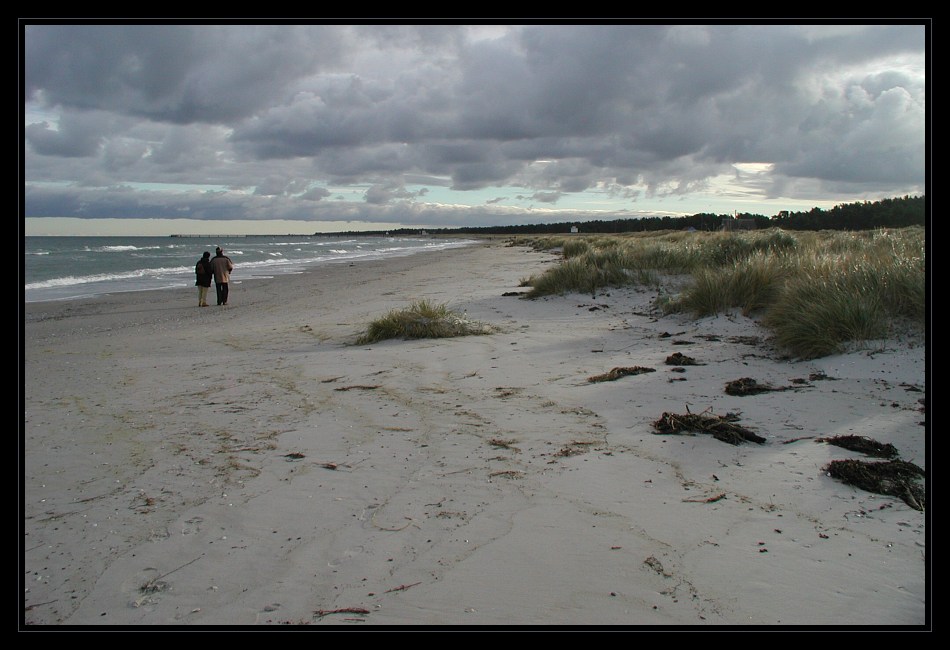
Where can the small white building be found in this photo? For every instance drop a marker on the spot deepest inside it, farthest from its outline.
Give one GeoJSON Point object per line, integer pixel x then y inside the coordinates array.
{"type": "Point", "coordinates": [574, 230]}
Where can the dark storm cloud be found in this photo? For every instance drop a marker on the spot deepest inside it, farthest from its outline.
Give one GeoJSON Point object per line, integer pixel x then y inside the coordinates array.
{"type": "Point", "coordinates": [644, 110]}
{"type": "Point", "coordinates": [77, 135]}
{"type": "Point", "coordinates": [182, 74]}
{"type": "Point", "coordinates": [55, 142]}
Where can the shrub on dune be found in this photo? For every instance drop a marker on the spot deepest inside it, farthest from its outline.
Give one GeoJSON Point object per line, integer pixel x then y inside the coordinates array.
{"type": "Point", "coordinates": [422, 319]}
{"type": "Point", "coordinates": [812, 318]}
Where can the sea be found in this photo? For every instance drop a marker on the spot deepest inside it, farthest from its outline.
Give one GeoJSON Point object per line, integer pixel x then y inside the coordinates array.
{"type": "Point", "coordinates": [68, 268]}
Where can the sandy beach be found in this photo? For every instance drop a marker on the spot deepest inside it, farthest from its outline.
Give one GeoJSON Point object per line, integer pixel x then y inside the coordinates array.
{"type": "Point", "coordinates": [249, 465]}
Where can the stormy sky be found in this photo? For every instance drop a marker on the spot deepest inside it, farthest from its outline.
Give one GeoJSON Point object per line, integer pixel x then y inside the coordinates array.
{"type": "Point", "coordinates": [448, 125]}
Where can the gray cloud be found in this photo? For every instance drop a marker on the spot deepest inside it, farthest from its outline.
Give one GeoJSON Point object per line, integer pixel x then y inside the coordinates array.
{"type": "Point", "coordinates": [76, 135]}
{"type": "Point", "coordinates": [381, 194]}
{"type": "Point", "coordinates": [635, 110]}
{"type": "Point", "coordinates": [173, 73]}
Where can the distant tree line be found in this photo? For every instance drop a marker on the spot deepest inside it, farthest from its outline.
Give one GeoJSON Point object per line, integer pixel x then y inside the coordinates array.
{"type": "Point", "coordinates": [886, 213]}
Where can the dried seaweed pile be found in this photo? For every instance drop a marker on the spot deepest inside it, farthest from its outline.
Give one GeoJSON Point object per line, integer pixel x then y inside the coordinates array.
{"type": "Point", "coordinates": [619, 372]}
{"type": "Point", "coordinates": [721, 427]}
{"type": "Point", "coordinates": [897, 478]}
{"type": "Point", "coordinates": [680, 359]}
{"type": "Point", "coordinates": [748, 386]}
{"type": "Point", "coordinates": [862, 444]}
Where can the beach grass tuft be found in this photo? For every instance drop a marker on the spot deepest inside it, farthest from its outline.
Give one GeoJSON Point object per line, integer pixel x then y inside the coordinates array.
{"type": "Point", "coordinates": [420, 320]}
{"type": "Point", "coordinates": [816, 290]}
{"type": "Point", "coordinates": [575, 247]}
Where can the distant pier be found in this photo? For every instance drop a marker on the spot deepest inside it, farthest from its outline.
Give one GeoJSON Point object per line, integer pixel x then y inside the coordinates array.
{"type": "Point", "coordinates": [210, 236]}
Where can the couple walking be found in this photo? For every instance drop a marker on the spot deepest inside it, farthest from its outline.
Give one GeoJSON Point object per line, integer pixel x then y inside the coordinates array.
{"type": "Point", "coordinates": [219, 267]}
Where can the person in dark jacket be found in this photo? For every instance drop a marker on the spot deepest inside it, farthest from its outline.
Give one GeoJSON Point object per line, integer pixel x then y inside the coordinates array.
{"type": "Point", "coordinates": [222, 266]}
{"type": "Point", "coordinates": [203, 275]}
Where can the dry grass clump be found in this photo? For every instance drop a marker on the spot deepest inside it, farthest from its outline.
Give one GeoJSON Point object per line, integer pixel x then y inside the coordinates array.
{"type": "Point", "coordinates": [421, 319]}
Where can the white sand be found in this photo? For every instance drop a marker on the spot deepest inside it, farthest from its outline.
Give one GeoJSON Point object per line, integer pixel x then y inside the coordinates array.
{"type": "Point", "coordinates": [249, 465]}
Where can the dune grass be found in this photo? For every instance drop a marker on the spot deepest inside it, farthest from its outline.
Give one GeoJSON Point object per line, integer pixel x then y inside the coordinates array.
{"type": "Point", "coordinates": [815, 290]}
{"type": "Point", "coordinates": [420, 320]}
{"type": "Point", "coordinates": [813, 318]}
{"type": "Point", "coordinates": [574, 248]}
{"type": "Point", "coordinates": [750, 285]}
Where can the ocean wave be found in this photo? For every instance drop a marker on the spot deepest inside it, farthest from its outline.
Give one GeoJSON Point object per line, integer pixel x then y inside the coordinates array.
{"type": "Point", "coordinates": [120, 249]}
{"type": "Point", "coordinates": [136, 274]}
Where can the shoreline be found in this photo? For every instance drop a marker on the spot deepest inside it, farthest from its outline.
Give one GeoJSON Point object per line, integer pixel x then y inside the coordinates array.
{"type": "Point", "coordinates": [248, 465]}
{"type": "Point", "coordinates": [97, 278]}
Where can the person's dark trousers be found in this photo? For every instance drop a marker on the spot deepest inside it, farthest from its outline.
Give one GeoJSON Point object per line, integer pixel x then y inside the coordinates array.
{"type": "Point", "coordinates": [222, 290]}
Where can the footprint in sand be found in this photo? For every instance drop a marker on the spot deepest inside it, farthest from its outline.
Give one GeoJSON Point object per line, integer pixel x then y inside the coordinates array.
{"type": "Point", "coordinates": [144, 588]}
{"type": "Point", "coordinates": [157, 534]}
{"type": "Point", "coordinates": [347, 555]}
{"type": "Point", "coordinates": [191, 526]}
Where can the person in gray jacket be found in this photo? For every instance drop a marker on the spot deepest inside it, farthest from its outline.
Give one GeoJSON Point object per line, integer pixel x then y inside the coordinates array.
{"type": "Point", "coordinates": [222, 266]}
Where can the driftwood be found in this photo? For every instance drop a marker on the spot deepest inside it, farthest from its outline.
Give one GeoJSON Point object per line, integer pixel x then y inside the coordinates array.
{"type": "Point", "coordinates": [343, 610]}
{"type": "Point", "coordinates": [511, 473]}
{"type": "Point", "coordinates": [712, 499]}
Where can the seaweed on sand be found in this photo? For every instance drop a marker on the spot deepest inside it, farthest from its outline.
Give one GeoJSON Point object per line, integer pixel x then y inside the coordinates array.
{"type": "Point", "coordinates": [680, 359]}
{"type": "Point", "coordinates": [721, 427]}
{"type": "Point", "coordinates": [748, 386]}
{"type": "Point", "coordinates": [897, 478]}
{"type": "Point", "coordinates": [617, 373]}
{"type": "Point", "coordinates": [862, 444]}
